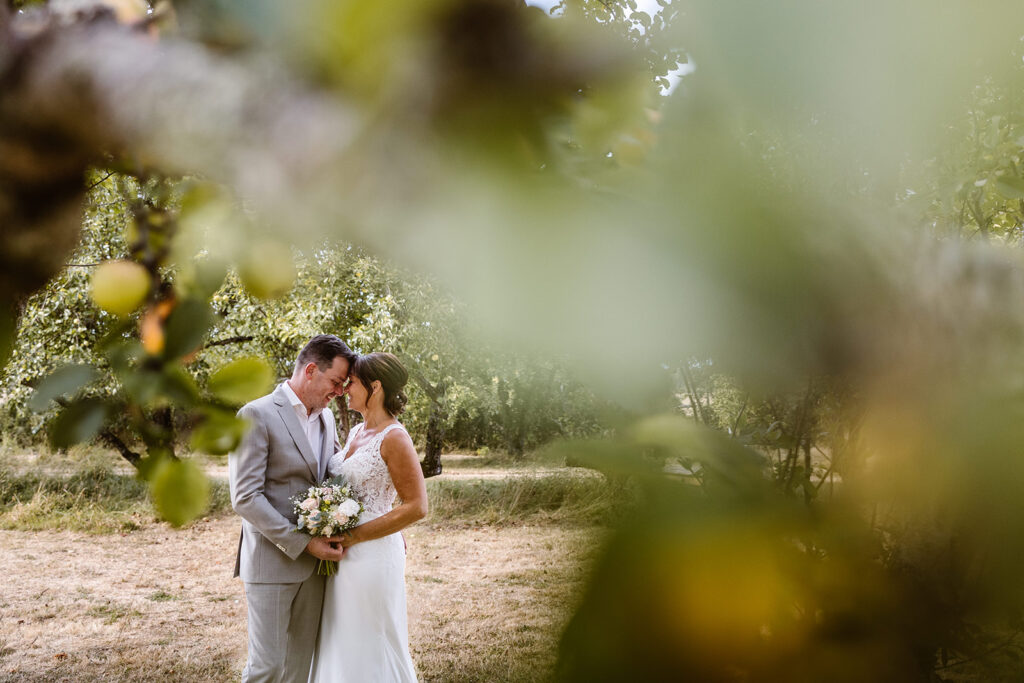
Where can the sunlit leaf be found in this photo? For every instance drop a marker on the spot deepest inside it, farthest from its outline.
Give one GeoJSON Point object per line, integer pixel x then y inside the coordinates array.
{"type": "Point", "coordinates": [180, 490]}
{"type": "Point", "coordinates": [242, 380]}
{"type": "Point", "coordinates": [219, 433]}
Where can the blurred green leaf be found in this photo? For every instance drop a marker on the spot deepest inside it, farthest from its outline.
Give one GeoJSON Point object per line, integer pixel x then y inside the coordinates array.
{"type": "Point", "coordinates": [62, 382]}
{"type": "Point", "coordinates": [142, 386]}
{"type": "Point", "coordinates": [611, 457]}
{"type": "Point", "coordinates": [178, 386]}
{"type": "Point", "coordinates": [242, 380]}
{"type": "Point", "coordinates": [180, 490]}
{"type": "Point", "coordinates": [209, 277]}
{"type": "Point", "coordinates": [79, 422]}
{"type": "Point", "coordinates": [187, 327]}
{"type": "Point", "coordinates": [218, 434]}
{"type": "Point", "coordinates": [1011, 186]}
{"type": "Point", "coordinates": [267, 269]}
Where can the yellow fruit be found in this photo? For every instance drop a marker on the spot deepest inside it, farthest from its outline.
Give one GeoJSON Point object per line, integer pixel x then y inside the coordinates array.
{"type": "Point", "coordinates": [120, 286]}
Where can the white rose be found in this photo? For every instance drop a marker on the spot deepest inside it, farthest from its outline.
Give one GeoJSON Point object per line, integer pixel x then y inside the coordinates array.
{"type": "Point", "coordinates": [349, 507]}
{"type": "Point", "coordinates": [309, 504]}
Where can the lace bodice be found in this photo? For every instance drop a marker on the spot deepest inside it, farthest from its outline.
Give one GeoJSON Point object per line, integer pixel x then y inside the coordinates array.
{"type": "Point", "coordinates": [367, 473]}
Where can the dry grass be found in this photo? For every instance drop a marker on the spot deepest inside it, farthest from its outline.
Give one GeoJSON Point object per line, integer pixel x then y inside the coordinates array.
{"type": "Point", "coordinates": [98, 590]}
{"type": "Point", "coordinates": [155, 604]}
{"type": "Point", "coordinates": [95, 498]}
{"type": "Point", "coordinates": [159, 604]}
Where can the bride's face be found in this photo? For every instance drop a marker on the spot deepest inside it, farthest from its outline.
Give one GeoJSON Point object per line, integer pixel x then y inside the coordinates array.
{"type": "Point", "coordinates": [357, 394]}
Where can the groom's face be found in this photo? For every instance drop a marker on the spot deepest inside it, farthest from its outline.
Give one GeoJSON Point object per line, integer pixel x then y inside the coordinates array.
{"type": "Point", "coordinates": [326, 384]}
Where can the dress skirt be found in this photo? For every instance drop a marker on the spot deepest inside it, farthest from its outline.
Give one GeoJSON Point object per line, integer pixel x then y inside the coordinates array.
{"type": "Point", "coordinates": [364, 631]}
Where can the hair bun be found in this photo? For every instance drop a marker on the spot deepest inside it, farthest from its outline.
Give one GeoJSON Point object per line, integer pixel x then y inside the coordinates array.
{"type": "Point", "coordinates": [387, 369]}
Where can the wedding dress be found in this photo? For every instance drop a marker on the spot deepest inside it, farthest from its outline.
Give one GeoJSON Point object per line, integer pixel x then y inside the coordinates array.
{"type": "Point", "coordinates": [364, 633]}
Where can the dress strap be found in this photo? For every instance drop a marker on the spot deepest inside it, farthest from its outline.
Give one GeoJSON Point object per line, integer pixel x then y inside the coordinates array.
{"type": "Point", "coordinates": [383, 432]}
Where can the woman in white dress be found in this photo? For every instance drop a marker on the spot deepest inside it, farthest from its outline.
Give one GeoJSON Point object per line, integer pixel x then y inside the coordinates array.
{"type": "Point", "coordinates": [364, 635]}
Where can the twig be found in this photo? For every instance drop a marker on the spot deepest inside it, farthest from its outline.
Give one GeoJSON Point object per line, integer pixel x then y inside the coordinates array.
{"type": "Point", "coordinates": [114, 440]}
{"type": "Point", "coordinates": [100, 181]}
{"type": "Point", "coordinates": [240, 339]}
{"type": "Point", "coordinates": [986, 653]}
{"type": "Point", "coordinates": [739, 415]}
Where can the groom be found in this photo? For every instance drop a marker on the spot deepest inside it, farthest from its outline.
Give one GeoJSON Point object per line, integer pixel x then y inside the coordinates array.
{"type": "Point", "coordinates": [284, 453]}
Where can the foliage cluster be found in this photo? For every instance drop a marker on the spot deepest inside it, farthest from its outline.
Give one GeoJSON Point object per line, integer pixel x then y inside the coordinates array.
{"type": "Point", "coordinates": [488, 397]}
{"type": "Point", "coordinates": [834, 495]}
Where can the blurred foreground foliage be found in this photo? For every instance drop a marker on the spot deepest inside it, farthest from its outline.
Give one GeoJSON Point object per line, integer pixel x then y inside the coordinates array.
{"type": "Point", "coordinates": [798, 277]}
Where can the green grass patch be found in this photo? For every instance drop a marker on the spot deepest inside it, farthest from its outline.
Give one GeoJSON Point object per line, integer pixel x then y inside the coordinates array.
{"type": "Point", "coordinates": [563, 498]}
{"type": "Point", "coordinates": [496, 460]}
{"type": "Point", "coordinates": [112, 613]}
{"type": "Point", "coordinates": [89, 497]}
{"type": "Point", "coordinates": [162, 596]}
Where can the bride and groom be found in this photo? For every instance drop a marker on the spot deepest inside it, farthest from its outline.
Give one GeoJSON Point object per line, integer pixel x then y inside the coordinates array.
{"type": "Point", "coordinates": [351, 626]}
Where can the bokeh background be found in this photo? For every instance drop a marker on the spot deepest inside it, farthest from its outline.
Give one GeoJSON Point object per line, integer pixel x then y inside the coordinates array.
{"type": "Point", "coordinates": [757, 264]}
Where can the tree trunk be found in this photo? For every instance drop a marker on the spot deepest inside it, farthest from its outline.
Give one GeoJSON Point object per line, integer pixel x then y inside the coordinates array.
{"type": "Point", "coordinates": [431, 464]}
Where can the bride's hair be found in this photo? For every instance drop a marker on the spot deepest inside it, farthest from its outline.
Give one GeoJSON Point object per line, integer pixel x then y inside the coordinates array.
{"type": "Point", "coordinates": [389, 371]}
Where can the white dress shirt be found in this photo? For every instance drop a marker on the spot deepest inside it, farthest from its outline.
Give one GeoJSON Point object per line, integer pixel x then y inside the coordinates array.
{"type": "Point", "coordinates": [310, 422]}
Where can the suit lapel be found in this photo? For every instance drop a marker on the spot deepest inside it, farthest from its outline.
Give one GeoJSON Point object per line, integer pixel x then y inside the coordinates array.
{"type": "Point", "coordinates": [291, 421]}
{"type": "Point", "coordinates": [327, 436]}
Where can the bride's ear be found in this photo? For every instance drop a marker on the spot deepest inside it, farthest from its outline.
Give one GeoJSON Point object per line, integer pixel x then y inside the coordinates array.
{"type": "Point", "coordinates": [375, 385]}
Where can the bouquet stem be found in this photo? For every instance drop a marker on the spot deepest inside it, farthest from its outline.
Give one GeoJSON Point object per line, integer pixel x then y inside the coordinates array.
{"type": "Point", "coordinates": [326, 567]}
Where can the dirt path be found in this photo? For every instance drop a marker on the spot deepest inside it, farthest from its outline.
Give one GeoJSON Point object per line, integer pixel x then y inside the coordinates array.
{"type": "Point", "coordinates": [160, 604]}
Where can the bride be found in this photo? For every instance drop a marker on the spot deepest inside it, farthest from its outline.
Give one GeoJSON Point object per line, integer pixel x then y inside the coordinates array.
{"type": "Point", "coordinates": [364, 634]}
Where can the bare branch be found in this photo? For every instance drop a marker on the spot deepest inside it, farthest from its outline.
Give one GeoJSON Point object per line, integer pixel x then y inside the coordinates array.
{"type": "Point", "coordinates": [100, 181]}
{"type": "Point", "coordinates": [240, 339]}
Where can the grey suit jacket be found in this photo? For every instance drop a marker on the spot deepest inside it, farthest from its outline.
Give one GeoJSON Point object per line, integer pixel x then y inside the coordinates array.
{"type": "Point", "coordinates": [273, 464]}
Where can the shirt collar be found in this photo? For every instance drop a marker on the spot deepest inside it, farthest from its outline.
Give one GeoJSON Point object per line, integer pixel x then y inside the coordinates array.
{"type": "Point", "coordinates": [296, 402]}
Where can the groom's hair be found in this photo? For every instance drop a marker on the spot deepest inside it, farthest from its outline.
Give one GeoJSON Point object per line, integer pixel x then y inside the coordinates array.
{"type": "Point", "coordinates": [322, 350]}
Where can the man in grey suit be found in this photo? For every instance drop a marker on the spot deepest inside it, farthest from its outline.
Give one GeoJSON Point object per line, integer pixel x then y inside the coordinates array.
{"type": "Point", "coordinates": [285, 451]}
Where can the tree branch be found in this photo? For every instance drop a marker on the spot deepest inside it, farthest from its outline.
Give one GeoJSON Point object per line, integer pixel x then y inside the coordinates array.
{"type": "Point", "coordinates": [100, 181]}
{"type": "Point", "coordinates": [240, 339]}
{"type": "Point", "coordinates": [113, 440]}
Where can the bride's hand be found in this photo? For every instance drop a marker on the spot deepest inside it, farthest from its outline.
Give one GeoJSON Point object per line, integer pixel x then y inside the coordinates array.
{"type": "Point", "coordinates": [348, 539]}
{"type": "Point", "coordinates": [325, 548]}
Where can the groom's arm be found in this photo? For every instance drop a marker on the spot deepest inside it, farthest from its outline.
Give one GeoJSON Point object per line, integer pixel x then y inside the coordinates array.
{"type": "Point", "coordinates": [247, 473]}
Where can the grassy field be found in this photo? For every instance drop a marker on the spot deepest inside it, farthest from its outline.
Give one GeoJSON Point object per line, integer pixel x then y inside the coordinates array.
{"type": "Point", "coordinates": [102, 591]}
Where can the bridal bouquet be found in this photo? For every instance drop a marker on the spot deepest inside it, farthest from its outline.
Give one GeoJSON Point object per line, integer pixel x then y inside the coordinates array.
{"type": "Point", "coordinates": [327, 510]}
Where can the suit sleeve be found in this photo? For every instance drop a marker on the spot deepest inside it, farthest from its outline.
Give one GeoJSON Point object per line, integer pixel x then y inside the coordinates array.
{"type": "Point", "coordinates": [247, 472]}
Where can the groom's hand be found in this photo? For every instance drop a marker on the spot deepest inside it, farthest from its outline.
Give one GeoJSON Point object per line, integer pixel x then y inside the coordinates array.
{"type": "Point", "coordinates": [322, 548]}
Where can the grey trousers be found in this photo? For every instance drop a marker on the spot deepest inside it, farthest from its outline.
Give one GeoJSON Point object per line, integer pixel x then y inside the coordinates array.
{"type": "Point", "coordinates": [284, 619]}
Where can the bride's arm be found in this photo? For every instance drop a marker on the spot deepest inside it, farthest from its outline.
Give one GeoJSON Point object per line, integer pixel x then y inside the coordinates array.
{"type": "Point", "coordinates": [403, 463]}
